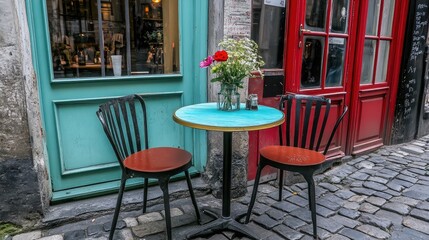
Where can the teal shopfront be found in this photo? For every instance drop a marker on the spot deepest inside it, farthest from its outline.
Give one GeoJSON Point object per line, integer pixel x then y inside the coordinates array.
{"type": "Point", "coordinates": [86, 52]}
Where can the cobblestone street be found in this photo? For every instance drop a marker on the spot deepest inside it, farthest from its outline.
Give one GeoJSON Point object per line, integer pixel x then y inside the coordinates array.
{"type": "Point", "coordinates": [382, 195]}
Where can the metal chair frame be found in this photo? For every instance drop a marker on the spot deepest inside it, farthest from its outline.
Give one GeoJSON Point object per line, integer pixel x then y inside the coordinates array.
{"type": "Point", "coordinates": [300, 128]}
{"type": "Point", "coordinates": [123, 128]}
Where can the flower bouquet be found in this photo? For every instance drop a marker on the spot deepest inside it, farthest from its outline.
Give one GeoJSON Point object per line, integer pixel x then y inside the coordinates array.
{"type": "Point", "coordinates": [238, 59]}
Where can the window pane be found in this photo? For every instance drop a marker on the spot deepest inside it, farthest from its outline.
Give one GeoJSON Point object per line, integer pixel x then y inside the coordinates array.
{"type": "Point", "coordinates": [386, 24]}
{"type": "Point", "coordinates": [315, 17]}
{"type": "Point", "coordinates": [368, 61]}
{"type": "Point", "coordinates": [312, 61]}
{"type": "Point", "coordinates": [268, 32]}
{"type": "Point", "coordinates": [154, 36]}
{"type": "Point", "coordinates": [145, 37]}
{"type": "Point", "coordinates": [115, 42]}
{"type": "Point", "coordinates": [339, 16]}
{"type": "Point", "coordinates": [74, 38]}
{"type": "Point", "coordinates": [372, 18]}
{"type": "Point", "coordinates": [382, 61]}
{"type": "Point", "coordinates": [334, 72]}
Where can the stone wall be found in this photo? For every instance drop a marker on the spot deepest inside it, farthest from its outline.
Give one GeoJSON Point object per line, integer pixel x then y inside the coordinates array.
{"type": "Point", "coordinates": [230, 18]}
{"type": "Point", "coordinates": [237, 18]}
{"type": "Point", "coordinates": [14, 137]}
{"type": "Point", "coordinates": [20, 200]}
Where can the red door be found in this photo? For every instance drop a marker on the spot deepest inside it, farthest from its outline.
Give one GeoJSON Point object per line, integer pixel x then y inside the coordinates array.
{"type": "Point", "coordinates": [349, 51]}
{"type": "Point", "coordinates": [376, 73]}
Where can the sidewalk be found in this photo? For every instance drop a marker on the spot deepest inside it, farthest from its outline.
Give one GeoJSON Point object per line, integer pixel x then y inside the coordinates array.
{"type": "Point", "coordinates": [382, 195]}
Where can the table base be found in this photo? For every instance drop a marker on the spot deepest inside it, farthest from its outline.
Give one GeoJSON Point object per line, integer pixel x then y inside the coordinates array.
{"type": "Point", "coordinates": [223, 224]}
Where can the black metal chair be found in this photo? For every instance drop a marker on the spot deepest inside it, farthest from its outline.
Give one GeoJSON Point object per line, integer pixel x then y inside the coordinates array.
{"type": "Point", "coordinates": [125, 124]}
{"type": "Point", "coordinates": [302, 156]}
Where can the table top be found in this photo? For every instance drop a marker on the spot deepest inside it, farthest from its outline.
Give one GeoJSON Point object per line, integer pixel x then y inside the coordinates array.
{"type": "Point", "coordinates": [206, 116]}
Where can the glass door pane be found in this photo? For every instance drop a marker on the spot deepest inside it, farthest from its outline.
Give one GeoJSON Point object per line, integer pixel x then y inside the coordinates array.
{"type": "Point", "coordinates": [335, 66]}
{"type": "Point", "coordinates": [387, 18]}
{"type": "Point", "coordinates": [372, 17]}
{"type": "Point", "coordinates": [315, 17]}
{"type": "Point", "coordinates": [368, 61]}
{"type": "Point", "coordinates": [312, 62]}
{"type": "Point", "coordinates": [339, 16]}
{"type": "Point", "coordinates": [382, 60]}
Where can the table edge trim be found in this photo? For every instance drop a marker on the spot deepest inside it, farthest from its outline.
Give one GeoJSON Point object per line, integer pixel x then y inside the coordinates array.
{"type": "Point", "coordinates": [228, 129]}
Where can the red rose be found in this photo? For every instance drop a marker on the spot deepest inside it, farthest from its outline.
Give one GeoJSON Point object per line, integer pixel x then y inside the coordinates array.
{"type": "Point", "coordinates": [220, 56]}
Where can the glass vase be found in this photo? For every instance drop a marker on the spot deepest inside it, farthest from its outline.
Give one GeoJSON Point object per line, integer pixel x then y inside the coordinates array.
{"type": "Point", "coordinates": [228, 99]}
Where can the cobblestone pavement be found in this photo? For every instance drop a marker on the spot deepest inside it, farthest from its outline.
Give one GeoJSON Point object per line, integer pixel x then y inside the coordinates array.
{"type": "Point", "coordinates": [382, 195]}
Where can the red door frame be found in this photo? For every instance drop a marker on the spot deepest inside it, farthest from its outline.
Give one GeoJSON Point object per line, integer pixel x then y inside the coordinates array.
{"type": "Point", "coordinates": [351, 87]}
{"type": "Point", "coordinates": [291, 49]}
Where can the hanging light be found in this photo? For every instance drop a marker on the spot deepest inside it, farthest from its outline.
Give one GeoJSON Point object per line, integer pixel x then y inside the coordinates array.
{"type": "Point", "coordinates": [156, 1]}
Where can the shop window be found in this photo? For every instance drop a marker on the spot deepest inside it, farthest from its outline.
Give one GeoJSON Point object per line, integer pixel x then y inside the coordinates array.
{"type": "Point", "coordinates": [268, 24]}
{"type": "Point", "coordinates": [97, 38]}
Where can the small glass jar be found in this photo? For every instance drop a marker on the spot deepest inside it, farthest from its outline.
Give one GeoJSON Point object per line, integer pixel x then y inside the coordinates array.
{"type": "Point", "coordinates": [228, 98]}
{"type": "Point", "coordinates": [254, 102]}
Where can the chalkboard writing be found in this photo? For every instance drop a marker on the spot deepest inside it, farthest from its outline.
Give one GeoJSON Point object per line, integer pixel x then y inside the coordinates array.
{"type": "Point", "coordinates": [412, 72]}
{"type": "Point", "coordinates": [415, 60]}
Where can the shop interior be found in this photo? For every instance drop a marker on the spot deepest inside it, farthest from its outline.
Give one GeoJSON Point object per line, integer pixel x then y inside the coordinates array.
{"type": "Point", "coordinates": [85, 36]}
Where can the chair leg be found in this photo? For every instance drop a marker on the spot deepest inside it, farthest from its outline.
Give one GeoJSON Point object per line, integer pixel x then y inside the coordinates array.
{"type": "Point", "coordinates": [254, 192]}
{"type": "Point", "coordinates": [309, 198]}
{"type": "Point", "coordinates": [312, 201]}
{"type": "Point", "coordinates": [145, 195]}
{"type": "Point", "coordinates": [191, 192]}
{"type": "Point", "coordinates": [281, 184]}
{"type": "Point", "coordinates": [118, 206]}
{"type": "Point", "coordinates": [163, 183]}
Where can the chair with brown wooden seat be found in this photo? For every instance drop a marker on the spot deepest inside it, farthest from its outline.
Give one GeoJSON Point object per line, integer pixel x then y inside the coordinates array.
{"type": "Point", "coordinates": [302, 156]}
{"type": "Point", "coordinates": [125, 124]}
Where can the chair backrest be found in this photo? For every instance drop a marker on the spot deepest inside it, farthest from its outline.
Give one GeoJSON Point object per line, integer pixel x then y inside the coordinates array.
{"type": "Point", "coordinates": [125, 124]}
{"type": "Point", "coordinates": [306, 118]}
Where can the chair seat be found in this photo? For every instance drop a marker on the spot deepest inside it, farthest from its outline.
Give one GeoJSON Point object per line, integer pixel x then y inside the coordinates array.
{"type": "Point", "coordinates": [293, 156]}
{"type": "Point", "coordinates": [159, 159]}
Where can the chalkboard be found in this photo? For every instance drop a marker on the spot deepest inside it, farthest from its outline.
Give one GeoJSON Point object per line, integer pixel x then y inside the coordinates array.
{"type": "Point", "coordinates": [411, 81]}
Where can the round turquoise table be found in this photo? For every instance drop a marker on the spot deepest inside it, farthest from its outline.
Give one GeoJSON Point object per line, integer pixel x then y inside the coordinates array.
{"type": "Point", "coordinates": [206, 116]}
